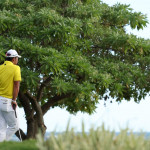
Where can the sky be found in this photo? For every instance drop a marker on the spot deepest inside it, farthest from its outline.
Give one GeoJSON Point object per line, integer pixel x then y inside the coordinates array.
{"type": "Point", "coordinates": [114, 116]}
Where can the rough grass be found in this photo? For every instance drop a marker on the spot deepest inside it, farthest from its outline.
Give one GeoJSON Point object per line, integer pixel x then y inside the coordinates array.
{"type": "Point", "coordinates": [95, 139]}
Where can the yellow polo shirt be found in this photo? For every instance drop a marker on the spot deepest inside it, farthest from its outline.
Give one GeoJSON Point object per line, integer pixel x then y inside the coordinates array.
{"type": "Point", "coordinates": [8, 74]}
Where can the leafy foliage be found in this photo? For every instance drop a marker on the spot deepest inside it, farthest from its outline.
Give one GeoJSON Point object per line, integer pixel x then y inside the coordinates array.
{"type": "Point", "coordinates": [81, 46]}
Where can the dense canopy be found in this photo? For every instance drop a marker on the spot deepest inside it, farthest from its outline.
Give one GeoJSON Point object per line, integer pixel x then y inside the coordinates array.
{"type": "Point", "coordinates": [75, 53]}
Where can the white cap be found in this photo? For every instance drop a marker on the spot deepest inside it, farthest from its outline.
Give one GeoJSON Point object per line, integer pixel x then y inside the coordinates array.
{"type": "Point", "coordinates": [12, 53]}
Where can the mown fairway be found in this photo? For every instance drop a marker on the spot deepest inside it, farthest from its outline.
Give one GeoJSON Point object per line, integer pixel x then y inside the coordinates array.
{"type": "Point", "coordinates": [26, 145]}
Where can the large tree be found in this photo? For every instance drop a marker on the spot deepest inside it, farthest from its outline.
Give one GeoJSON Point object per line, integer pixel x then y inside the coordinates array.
{"type": "Point", "coordinates": [74, 53]}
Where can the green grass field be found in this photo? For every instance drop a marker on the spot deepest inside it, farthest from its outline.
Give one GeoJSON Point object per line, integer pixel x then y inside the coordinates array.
{"type": "Point", "coordinates": [25, 145]}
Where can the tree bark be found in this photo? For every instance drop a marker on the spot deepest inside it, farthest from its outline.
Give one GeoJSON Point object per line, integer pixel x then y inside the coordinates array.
{"type": "Point", "coordinates": [38, 117]}
{"type": "Point", "coordinates": [35, 122]}
{"type": "Point", "coordinates": [29, 115]}
{"type": "Point", "coordinates": [43, 85]}
{"type": "Point", "coordinates": [52, 101]}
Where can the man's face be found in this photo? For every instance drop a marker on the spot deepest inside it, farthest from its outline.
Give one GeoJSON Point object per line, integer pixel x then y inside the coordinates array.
{"type": "Point", "coordinates": [15, 61]}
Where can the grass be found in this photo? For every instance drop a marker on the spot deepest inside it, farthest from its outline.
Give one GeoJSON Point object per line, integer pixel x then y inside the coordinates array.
{"type": "Point", "coordinates": [25, 145]}
{"type": "Point", "coordinates": [95, 139]}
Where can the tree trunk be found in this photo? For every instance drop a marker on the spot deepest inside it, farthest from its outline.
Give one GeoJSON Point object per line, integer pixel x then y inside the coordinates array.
{"type": "Point", "coordinates": [34, 113]}
{"type": "Point", "coordinates": [34, 122]}
{"type": "Point", "coordinates": [34, 127]}
{"type": "Point", "coordinates": [30, 128]}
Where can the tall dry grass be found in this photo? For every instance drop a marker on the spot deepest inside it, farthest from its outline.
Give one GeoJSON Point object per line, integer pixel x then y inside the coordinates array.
{"type": "Point", "coordinates": [95, 139]}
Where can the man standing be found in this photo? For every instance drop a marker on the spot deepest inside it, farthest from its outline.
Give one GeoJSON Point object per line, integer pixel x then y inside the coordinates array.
{"type": "Point", "coordinates": [10, 78]}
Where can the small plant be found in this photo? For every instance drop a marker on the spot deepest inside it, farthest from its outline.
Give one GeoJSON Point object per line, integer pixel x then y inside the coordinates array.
{"type": "Point", "coordinates": [95, 139]}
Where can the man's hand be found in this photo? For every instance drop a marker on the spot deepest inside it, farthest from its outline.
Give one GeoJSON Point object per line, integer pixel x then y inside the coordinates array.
{"type": "Point", "coordinates": [14, 104]}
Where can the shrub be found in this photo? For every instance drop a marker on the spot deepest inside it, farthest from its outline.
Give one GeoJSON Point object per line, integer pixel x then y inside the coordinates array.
{"type": "Point", "coordinates": [95, 139]}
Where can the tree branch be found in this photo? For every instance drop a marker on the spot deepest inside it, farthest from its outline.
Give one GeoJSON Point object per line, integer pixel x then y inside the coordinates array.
{"type": "Point", "coordinates": [36, 106]}
{"type": "Point", "coordinates": [39, 93]}
{"type": "Point", "coordinates": [28, 111]}
{"type": "Point", "coordinates": [52, 101]}
{"type": "Point", "coordinates": [26, 105]}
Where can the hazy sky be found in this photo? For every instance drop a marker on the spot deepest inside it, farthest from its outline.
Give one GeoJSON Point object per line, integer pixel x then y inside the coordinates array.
{"type": "Point", "coordinates": [114, 116]}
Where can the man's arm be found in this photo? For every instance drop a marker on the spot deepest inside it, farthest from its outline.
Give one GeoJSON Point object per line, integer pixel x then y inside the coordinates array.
{"type": "Point", "coordinates": [16, 90]}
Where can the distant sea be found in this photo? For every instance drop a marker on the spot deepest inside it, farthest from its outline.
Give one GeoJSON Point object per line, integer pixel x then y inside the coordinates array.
{"type": "Point", "coordinates": [47, 135]}
{"type": "Point", "coordinates": [14, 138]}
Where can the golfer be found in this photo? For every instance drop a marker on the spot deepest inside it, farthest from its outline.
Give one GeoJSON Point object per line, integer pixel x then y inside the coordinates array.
{"type": "Point", "coordinates": [10, 78]}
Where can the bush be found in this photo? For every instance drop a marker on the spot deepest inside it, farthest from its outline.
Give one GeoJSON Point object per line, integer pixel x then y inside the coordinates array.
{"type": "Point", "coordinates": [98, 139]}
